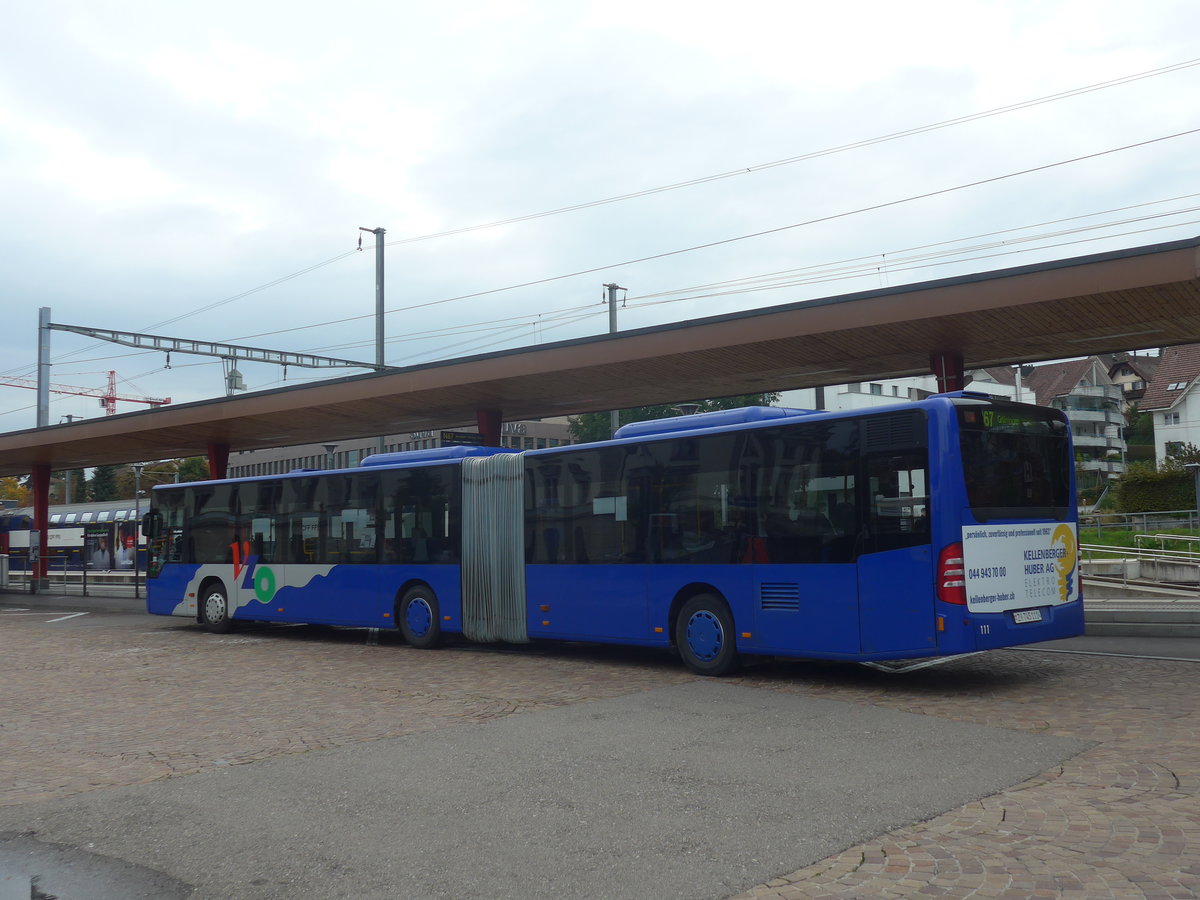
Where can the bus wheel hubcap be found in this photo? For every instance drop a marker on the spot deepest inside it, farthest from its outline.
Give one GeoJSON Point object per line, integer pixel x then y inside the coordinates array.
{"type": "Point", "coordinates": [704, 635]}
{"type": "Point", "coordinates": [418, 616]}
{"type": "Point", "coordinates": [214, 608]}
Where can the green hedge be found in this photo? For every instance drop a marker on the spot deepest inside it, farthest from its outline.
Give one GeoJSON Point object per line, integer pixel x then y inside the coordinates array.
{"type": "Point", "coordinates": [1140, 453]}
{"type": "Point", "coordinates": [1144, 490]}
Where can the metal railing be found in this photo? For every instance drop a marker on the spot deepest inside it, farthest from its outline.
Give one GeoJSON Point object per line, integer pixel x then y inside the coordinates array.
{"type": "Point", "coordinates": [63, 578]}
{"type": "Point", "coordinates": [1107, 391]}
{"type": "Point", "coordinates": [1161, 520]}
{"type": "Point", "coordinates": [1146, 565]}
{"type": "Point", "coordinates": [1103, 441]}
{"type": "Point", "coordinates": [1190, 549]}
{"type": "Point", "coordinates": [1111, 466]}
{"type": "Point", "coordinates": [1091, 414]}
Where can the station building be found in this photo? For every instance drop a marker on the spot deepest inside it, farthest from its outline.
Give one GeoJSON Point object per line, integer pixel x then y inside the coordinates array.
{"type": "Point", "coordinates": [531, 434]}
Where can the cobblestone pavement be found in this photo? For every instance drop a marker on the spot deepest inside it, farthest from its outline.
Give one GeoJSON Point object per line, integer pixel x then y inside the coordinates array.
{"type": "Point", "coordinates": [91, 703]}
{"type": "Point", "coordinates": [102, 701]}
{"type": "Point", "coordinates": [1121, 820]}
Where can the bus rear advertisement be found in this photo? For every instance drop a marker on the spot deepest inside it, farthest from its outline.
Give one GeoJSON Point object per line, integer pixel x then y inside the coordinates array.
{"type": "Point", "coordinates": [928, 529]}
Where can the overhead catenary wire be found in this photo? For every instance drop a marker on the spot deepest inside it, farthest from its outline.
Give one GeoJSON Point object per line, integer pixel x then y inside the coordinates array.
{"type": "Point", "coordinates": [895, 265]}
{"type": "Point", "coordinates": [817, 274]}
{"type": "Point", "coordinates": [825, 279]}
{"type": "Point", "coordinates": [859, 266]}
{"type": "Point", "coordinates": [410, 335]}
{"type": "Point", "coordinates": [867, 262]}
{"type": "Point", "coordinates": [804, 157]}
{"type": "Point", "coordinates": [741, 170]}
{"type": "Point", "coordinates": [466, 345]}
{"type": "Point", "coordinates": [215, 305]}
{"type": "Point", "coordinates": [768, 231]}
{"type": "Point", "coordinates": [634, 306]}
{"type": "Point", "coordinates": [874, 258]}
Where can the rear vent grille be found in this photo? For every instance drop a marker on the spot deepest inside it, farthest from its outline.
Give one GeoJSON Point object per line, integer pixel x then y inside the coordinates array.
{"type": "Point", "coordinates": [780, 596]}
{"type": "Point", "coordinates": [898, 430]}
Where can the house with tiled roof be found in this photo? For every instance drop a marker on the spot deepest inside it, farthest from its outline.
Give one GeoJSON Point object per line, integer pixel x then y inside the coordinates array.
{"type": "Point", "coordinates": [1132, 373]}
{"type": "Point", "coordinates": [997, 380]}
{"type": "Point", "coordinates": [1174, 401]}
{"type": "Point", "coordinates": [1094, 405]}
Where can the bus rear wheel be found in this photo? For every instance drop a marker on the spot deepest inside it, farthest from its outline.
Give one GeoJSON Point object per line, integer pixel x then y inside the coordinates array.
{"type": "Point", "coordinates": [420, 617]}
{"type": "Point", "coordinates": [704, 636]}
{"type": "Point", "coordinates": [214, 610]}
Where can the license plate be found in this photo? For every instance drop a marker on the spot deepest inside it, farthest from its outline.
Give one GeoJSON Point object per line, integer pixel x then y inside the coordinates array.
{"type": "Point", "coordinates": [1027, 615]}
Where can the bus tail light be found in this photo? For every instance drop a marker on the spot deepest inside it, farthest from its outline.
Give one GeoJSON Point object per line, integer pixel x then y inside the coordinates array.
{"type": "Point", "coordinates": [952, 576]}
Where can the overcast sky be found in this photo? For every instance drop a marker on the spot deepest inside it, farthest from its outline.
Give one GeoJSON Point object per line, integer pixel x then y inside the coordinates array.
{"type": "Point", "coordinates": [159, 162]}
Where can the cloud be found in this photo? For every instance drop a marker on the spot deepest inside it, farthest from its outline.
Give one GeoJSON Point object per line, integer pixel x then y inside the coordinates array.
{"type": "Point", "coordinates": [156, 160]}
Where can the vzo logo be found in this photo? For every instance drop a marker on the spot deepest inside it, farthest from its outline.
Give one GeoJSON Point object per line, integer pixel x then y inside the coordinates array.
{"type": "Point", "coordinates": [260, 578]}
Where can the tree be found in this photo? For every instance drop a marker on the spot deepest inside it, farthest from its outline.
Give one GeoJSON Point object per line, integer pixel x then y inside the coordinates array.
{"type": "Point", "coordinates": [12, 489]}
{"type": "Point", "coordinates": [1179, 457]}
{"type": "Point", "coordinates": [595, 426]}
{"type": "Point", "coordinates": [104, 483]}
{"type": "Point", "coordinates": [127, 480]}
{"type": "Point", "coordinates": [166, 471]}
{"type": "Point", "coordinates": [194, 468]}
{"type": "Point", "coordinates": [79, 487]}
{"type": "Point", "coordinates": [1139, 434]}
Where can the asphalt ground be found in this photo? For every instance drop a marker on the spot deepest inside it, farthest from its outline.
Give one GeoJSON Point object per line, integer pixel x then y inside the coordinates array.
{"type": "Point", "coordinates": [144, 757]}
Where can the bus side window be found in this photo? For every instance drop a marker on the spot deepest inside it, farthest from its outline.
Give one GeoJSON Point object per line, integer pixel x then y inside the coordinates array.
{"type": "Point", "coordinates": [806, 503]}
{"type": "Point", "coordinates": [689, 486]}
{"type": "Point", "coordinates": [299, 519]}
{"type": "Point", "coordinates": [212, 524]}
{"type": "Point", "coordinates": [898, 490]}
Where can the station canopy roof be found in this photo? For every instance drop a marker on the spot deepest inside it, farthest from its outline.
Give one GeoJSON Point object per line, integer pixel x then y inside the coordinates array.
{"type": "Point", "coordinates": [1142, 297]}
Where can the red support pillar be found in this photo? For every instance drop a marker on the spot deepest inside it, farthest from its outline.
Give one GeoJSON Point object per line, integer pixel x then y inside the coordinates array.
{"type": "Point", "coordinates": [41, 524]}
{"type": "Point", "coordinates": [218, 460]}
{"type": "Point", "coordinates": [948, 368]}
{"type": "Point", "coordinates": [489, 425]}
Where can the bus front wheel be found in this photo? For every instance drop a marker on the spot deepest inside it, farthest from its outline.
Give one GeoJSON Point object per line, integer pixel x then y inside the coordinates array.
{"type": "Point", "coordinates": [420, 618]}
{"type": "Point", "coordinates": [704, 636]}
{"type": "Point", "coordinates": [214, 610]}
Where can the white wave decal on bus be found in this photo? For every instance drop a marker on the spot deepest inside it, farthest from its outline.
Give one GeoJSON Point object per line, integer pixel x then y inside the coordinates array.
{"type": "Point", "coordinates": [255, 582]}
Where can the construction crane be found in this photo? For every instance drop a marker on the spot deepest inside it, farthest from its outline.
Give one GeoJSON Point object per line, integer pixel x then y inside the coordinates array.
{"type": "Point", "coordinates": [108, 397]}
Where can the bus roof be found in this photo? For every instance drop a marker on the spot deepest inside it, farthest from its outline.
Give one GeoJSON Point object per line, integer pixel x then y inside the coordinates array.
{"type": "Point", "coordinates": [751, 417]}
{"type": "Point", "coordinates": [719, 418]}
{"type": "Point", "coordinates": [401, 460]}
{"type": "Point", "coordinates": [432, 454]}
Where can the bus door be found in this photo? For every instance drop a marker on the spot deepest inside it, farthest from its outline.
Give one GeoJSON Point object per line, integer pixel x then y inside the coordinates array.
{"type": "Point", "coordinates": [895, 563]}
{"type": "Point", "coordinates": [807, 527]}
{"type": "Point", "coordinates": [257, 569]}
{"type": "Point", "coordinates": [328, 539]}
{"type": "Point", "coordinates": [257, 551]}
{"type": "Point", "coordinates": [580, 585]}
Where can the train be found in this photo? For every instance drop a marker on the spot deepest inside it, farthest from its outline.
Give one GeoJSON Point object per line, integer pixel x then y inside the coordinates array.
{"type": "Point", "coordinates": [102, 536]}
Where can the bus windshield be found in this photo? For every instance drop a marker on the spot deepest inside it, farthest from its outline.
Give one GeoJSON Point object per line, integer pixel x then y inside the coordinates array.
{"type": "Point", "coordinates": [1016, 461]}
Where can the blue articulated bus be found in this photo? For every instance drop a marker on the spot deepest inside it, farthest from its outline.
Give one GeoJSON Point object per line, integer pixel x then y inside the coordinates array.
{"type": "Point", "coordinates": [928, 529]}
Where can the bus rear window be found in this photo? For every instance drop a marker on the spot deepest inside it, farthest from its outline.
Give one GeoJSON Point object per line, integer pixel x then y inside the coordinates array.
{"type": "Point", "coordinates": [1016, 461]}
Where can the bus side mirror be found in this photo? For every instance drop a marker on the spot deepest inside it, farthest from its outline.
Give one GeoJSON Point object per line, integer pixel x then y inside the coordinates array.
{"type": "Point", "coordinates": [152, 524]}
